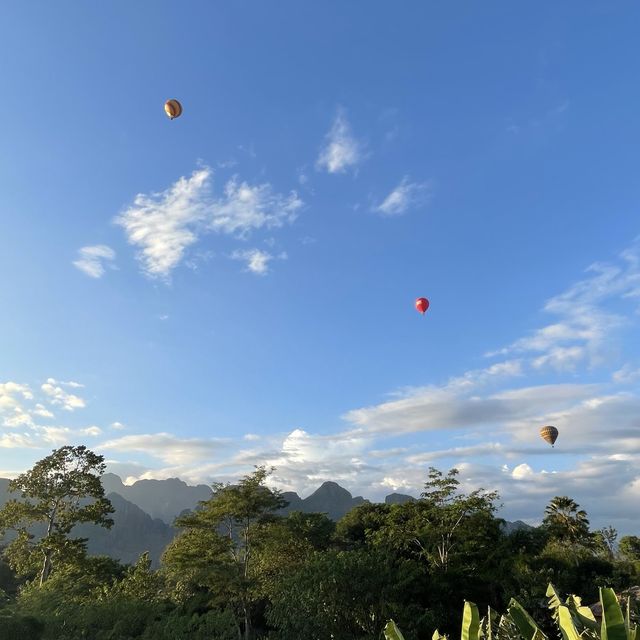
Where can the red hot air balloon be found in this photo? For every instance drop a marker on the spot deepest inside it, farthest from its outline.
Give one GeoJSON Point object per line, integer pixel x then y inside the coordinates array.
{"type": "Point", "coordinates": [422, 304]}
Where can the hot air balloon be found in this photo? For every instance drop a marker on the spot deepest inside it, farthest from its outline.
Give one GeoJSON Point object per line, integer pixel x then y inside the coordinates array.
{"type": "Point", "coordinates": [422, 304]}
{"type": "Point", "coordinates": [172, 108]}
{"type": "Point", "coordinates": [549, 434]}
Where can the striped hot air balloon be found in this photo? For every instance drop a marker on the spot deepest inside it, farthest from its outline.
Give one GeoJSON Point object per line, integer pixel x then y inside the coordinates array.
{"type": "Point", "coordinates": [172, 108]}
{"type": "Point", "coordinates": [549, 434]}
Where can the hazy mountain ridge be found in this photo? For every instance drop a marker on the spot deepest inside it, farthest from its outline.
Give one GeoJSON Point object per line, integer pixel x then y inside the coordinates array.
{"type": "Point", "coordinates": [136, 530]}
{"type": "Point", "coordinates": [133, 532]}
{"type": "Point", "coordinates": [163, 499]}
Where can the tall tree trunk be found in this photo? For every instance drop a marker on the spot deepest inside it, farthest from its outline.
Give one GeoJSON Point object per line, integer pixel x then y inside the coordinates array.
{"type": "Point", "coordinates": [46, 565]}
{"type": "Point", "coordinates": [247, 623]}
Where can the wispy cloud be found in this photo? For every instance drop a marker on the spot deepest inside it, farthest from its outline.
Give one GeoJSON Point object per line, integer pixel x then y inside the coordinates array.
{"type": "Point", "coordinates": [167, 447]}
{"type": "Point", "coordinates": [587, 323]}
{"type": "Point", "coordinates": [92, 260]}
{"type": "Point", "coordinates": [405, 196]}
{"type": "Point", "coordinates": [341, 150]}
{"type": "Point", "coordinates": [245, 208]}
{"type": "Point", "coordinates": [58, 396]}
{"type": "Point", "coordinates": [257, 261]}
{"type": "Point", "coordinates": [627, 374]}
{"type": "Point", "coordinates": [163, 226]}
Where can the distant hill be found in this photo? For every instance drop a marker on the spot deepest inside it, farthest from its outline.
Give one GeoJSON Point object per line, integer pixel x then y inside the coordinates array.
{"type": "Point", "coordinates": [164, 499]}
{"type": "Point", "coordinates": [133, 532]}
{"type": "Point", "coordinates": [4, 491]}
{"type": "Point", "coordinates": [329, 498]}
{"type": "Point", "coordinates": [145, 511]}
{"type": "Point", "coordinates": [510, 527]}
{"type": "Point", "coordinates": [398, 498]}
{"type": "Point", "coordinates": [167, 499]}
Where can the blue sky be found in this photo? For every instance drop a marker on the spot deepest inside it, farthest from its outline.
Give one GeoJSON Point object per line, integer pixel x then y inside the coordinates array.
{"type": "Point", "coordinates": [236, 286]}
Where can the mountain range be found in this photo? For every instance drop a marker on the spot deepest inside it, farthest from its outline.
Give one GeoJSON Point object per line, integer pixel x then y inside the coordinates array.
{"type": "Point", "coordinates": [145, 512]}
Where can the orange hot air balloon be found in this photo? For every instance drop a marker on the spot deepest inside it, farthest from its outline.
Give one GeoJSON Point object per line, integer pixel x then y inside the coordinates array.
{"type": "Point", "coordinates": [172, 108]}
{"type": "Point", "coordinates": [422, 304]}
{"type": "Point", "coordinates": [549, 434]}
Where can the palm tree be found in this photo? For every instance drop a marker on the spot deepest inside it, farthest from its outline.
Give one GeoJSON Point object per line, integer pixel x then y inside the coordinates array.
{"type": "Point", "coordinates": [566, 522]}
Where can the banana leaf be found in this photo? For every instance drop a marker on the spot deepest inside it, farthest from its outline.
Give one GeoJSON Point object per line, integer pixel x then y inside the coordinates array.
{"type": "Point", "coordinates": [613, 627]}
{"type": "Point", "coordinates": [391, 631]}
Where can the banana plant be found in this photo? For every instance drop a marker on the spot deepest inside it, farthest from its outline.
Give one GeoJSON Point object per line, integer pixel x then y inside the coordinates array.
{"type": "Point", "coordinates": [633, 633]}
{"type": "Point", "coordinates": [575, 621]}
{"type": "Point", "coordinates": [391, 631]}
{"type": "Point", "coordinates": [613, 622]}
{"type": "Point", "coordinates": [525, 624]}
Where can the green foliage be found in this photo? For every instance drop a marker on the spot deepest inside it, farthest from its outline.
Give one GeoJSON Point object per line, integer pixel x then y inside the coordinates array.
{"type": "Point", "coordinates": [613, 627]}
{"type": "Point", "coordinates": [391, 631]}
{"type": "Point", "coordinates": [219, 546]}
{"type": "Point", "coordinates": [344, 595]}
{"type": "Point", "coordinates": [61, 491]}
{"type": "Point", "coordinates": [566, 523]}
{"type": "Point", "coordinates": [236, 570]}
{"type": "Point", "coordinates": [574, 621]}
{"type": "Point", "coordinates": [629, 548]}
{"type": "Point", "coordinates": [17, 627]}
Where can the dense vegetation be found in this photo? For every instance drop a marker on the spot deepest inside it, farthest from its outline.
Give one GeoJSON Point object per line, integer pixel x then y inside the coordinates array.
{"type": "Point", "coordinates": [239, 571]}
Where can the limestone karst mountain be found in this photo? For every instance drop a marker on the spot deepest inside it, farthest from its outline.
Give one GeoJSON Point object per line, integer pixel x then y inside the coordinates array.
{"type": "Point", "coordinates": [146, 509]}
{"type": "Point", "coordinates": [164, 499]}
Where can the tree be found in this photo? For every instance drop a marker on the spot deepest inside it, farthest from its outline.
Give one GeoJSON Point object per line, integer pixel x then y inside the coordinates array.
{"type": "Point", "coordinates": [448, 513]}
{"type": "Point", "coordinates": [343, 595]}
{"type": "Point", "coordinates": [604, 542]}
{"type": "Point", "coordinates": [566, 522]}
{"type": "Point", "coordinates": [629, 548]}
{"type": "Point", "coordinates": [284, 545]}
{"type": "Point", "coordinates": [360, 525]}
{"type": "Point", "coordinates": [61, 491]}
{"type": "Point", "coordinates": [216, 547]}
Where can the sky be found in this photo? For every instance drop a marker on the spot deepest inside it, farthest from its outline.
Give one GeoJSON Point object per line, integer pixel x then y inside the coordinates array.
{"type": "Point", "coordinates": [236, 287]}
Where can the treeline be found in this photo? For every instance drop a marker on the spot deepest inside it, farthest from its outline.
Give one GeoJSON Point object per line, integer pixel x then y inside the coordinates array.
{"type": "Point", "coordinates": [237, 571]}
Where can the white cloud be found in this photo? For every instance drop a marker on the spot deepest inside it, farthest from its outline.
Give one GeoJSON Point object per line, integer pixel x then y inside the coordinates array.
{"type": "Point", "coordinates": [118, 426]}
{"type": "Point", "coordinates": [627, 374]}
{"type": "Point", "coordinates": [167, 447]}
{"type": "Point", "coordinates": [522, 471]}
{"type": "Point", "coordinates": [589, 317]}
{"type": "Point", "coordinates": [164, 225]}
{"type": "Point", "coordinates": [341, 150]}
{"type": "Point", "coordinates": [13, 397]}
{"type": "Point", "coordinates": [10, 392]}
{"type": "Point", "coordinates": [91, 431]}
{"type": "Point", "coordinates": [70, 383]}
{"type": "Point", "coordinates": [447, 407]}
{"type": "Point", "coordinates": [42, 412]}
{"type": "Point", "coordinates": [404, 196]}
{"type": "Point", "coordinates": [92, 259]}
{"type": "Point", "coordinates": [257, 260]}
{"type": "Point", "coordinates": [58, 396]}
{"type": "Point", "coordinates": [245, 208]}
{"type": "Point", "coordinates": [16, 441]}
{"type": "Point", "coordinates": [57, 436]}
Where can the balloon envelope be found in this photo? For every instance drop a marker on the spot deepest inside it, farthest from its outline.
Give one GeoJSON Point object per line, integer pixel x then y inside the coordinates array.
{"type": "Point", "coordinates": [422, 304]}
{"type": "Point", "coordinates": [172, 108]}
{"type": "Point", "coordinates": [549, 434]}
